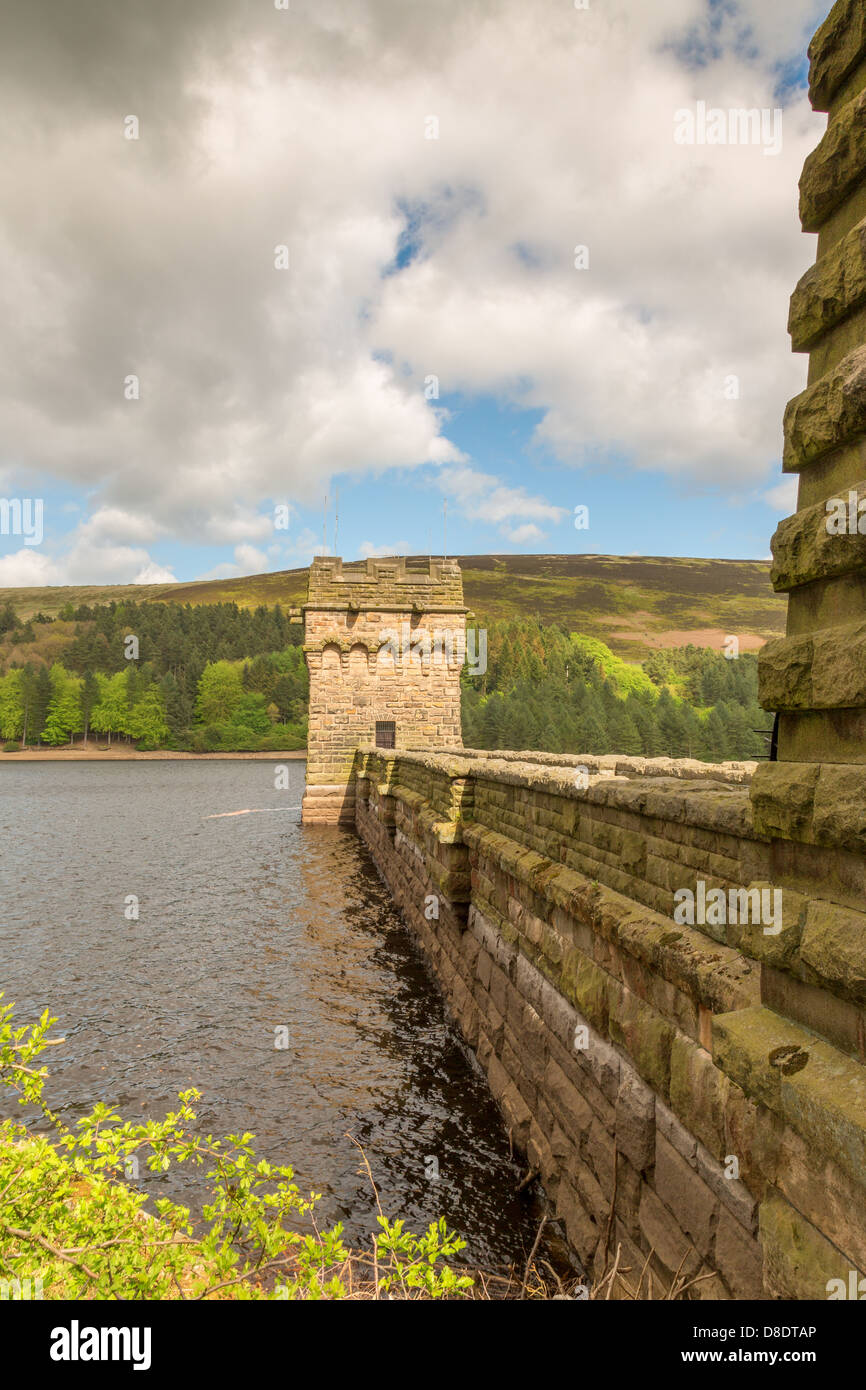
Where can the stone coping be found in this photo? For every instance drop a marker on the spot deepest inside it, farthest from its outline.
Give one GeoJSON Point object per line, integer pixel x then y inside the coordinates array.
{"type": "Point", "coordinates": [705, 803]}
{"type": "Point", "coordinates": [598, 766]}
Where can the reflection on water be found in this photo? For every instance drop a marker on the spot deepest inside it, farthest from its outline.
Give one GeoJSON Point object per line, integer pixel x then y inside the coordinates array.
{"type": "Point", "coordinates": [248, 922]}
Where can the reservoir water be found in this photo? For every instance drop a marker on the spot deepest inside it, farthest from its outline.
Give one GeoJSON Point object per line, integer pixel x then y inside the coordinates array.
{"type": "Point", "coordinates": [247, 923]}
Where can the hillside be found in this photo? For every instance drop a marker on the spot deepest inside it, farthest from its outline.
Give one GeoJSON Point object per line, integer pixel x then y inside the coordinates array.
{"type": "Point", "coordinates": [635, 604]}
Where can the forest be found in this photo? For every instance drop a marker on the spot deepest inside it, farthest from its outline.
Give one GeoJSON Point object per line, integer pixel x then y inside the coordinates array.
{"type": "Point", "coordinates": [204, 678]}
{"type": "Point", "coordinates": [220, 678]}
{"type": "Point", "coordinates": [546, 688]}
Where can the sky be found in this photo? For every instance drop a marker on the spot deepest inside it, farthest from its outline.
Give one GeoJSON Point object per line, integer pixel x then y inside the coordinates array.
{"type": "Point", "coordinates": [366, 277]}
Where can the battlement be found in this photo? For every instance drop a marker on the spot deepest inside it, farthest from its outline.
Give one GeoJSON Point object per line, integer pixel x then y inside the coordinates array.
{"type": "Point", "coordinates": [418, 583]}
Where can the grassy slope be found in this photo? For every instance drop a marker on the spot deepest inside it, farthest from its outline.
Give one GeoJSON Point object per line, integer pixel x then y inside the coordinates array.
{"type": "Point", "coordinates": [660, 601]}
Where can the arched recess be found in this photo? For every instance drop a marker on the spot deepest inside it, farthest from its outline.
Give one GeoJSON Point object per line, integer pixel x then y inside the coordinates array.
{"type": "Point", "coordinates": [358, 661]}
{"type": "Point", "coordinates": [331, 664]}
{"type": "Point", "coordinates": [385, 660]}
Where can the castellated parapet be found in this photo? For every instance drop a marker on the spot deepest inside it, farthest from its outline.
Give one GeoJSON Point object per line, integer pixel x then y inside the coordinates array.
{"type": "Point", "coordinates": [385, 643]}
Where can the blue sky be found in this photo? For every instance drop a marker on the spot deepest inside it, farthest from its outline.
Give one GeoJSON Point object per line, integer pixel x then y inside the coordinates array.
{"type": "Point", "coordinates": [346, 250]}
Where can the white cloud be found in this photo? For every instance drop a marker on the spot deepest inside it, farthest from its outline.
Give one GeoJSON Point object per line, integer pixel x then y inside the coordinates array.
{"type": "Point", "coordinates": [117, 525]}
{"type": "Point", "coordinates": [28, 567]}
{"type": "Point", "coordinates": [483, 497]}
{"type": "Point", "coordinates": [523, 535]}
{"type": "Point", "coordinates": [250, 559]}
{"type": "Point", "coordinates": [153, 573]}
{"type": "Point", "coordinates": [156, 257]}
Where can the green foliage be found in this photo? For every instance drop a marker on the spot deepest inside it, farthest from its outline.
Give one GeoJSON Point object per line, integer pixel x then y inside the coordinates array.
{"type": "Point", "coordinates": [70, 1216]}
{"type": "Point", "coordinates": [111, 710]}
{"type": "Point", "coordinates": [63, 718]}
{"type": "Point", "coordinates": [561, 692]}
{"type": "Point", "coordinates": [412, 1262]}
{"type": "Point", "coordinates": [219, 692]}
{"type": "Point", "coordinates": [211, 664]}
{"type": "Point", "coordinates": [208, 706]}
{"type": "Point", "coordinates": [12, 704]}
{"type": "Point", "coordinates": [627, 679]}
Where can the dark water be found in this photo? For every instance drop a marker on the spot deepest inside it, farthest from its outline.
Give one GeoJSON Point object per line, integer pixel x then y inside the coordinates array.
{"type": "Point", "coordinates": [247, 923]}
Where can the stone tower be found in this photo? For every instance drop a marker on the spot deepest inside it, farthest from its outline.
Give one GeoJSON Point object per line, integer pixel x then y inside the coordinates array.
{"type": "Point", "coordinates": [812, 802]}
{"type": "Point", "coordinates": [385, 643]}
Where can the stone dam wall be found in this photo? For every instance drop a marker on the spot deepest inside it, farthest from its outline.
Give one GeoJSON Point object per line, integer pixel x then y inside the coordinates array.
{"type": "Point", "coordinates": [651, 1071]}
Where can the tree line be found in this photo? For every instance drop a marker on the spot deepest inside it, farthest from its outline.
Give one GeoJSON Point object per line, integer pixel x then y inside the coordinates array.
{"type": "Point", "coordinates": [217, 677]}
{"type": "Point", "coordinates": [145, 673]}
{"type": "Point", "coordinates": [552, 690]}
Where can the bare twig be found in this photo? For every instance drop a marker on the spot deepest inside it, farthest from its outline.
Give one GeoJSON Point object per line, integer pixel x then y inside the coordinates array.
{"type": "Point", "coordinates": [535, 1245]}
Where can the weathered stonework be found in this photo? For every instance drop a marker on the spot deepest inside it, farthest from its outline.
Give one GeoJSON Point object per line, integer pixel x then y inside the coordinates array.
{"type": "Point", "coordinates": [366, 631]}
{"type": "Point", "coordinates": [643, 1067]}
{"type": "Point", "coordinates": [815, 675]}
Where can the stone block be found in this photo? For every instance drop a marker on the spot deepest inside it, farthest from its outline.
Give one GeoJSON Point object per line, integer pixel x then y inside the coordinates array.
{"type": "Point", "coordinates": [839, 813]}
{"type": "Point", "coordinates": [836, 49]}
{"type": "Point", "coordinates": [600, 1150]}
{"type": "Point", "coordinates": [810, 1084]}
{"type": "Point", "coordinates": [732, 1193]}
{"type": "Point", "coordinates": [582, 1230]}
{"type": "Point", "coordinates": [782, 796]}
{"type": "Point", "coordinates": [829, 290]}
{"type": "Point", "coordinates": [635, 1120]}
{"type": "Point", "coordinates": [568, 1105]}
{"type": "Point", "coordinates": [785, 673]}
{"type": "Point", "coordinates": [833, 945]}
{"type": "Point", "coordinates": [799, 1262]}
{"type": "Point", "coordinates": [739, 1259]}
{"type": "Point", "coordinates": [645, 1037]}
{"type": "Point", "coordinates": [675, 1133]}
{"type": "Point", "coordinates": [827, 1197]}
{"type": "Point", "coordinates": [661, 1234]}
{"type": "Point", "coordinates": [684, 1193]}
{"type": "Point", "coordinates": [517, 1115]}
{"type": "Point", "coordinates": [699, 1092]}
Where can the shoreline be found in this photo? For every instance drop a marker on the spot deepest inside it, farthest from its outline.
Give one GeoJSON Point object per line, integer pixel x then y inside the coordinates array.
{"type": "Point", "coordinates": [53, 755]}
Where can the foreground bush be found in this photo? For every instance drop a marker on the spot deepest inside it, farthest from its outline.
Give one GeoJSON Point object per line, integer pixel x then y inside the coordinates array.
{"type": "Point", "coordinates": [71, 1218]}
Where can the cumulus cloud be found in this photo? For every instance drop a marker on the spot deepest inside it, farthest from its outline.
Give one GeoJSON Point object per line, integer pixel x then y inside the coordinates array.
{"type": "Point", "coordinates": [26, 568]}
{"type": "Point", "coordinates": [482, 497]}
{"type": "Point", "coordinates": [152, 573]}
{"type": "Point", "coordinates": [524, 535]}
{"type": "Point", "coordinates": [305, 129]}
{"type": "Point", "coordinates": [248, 560]}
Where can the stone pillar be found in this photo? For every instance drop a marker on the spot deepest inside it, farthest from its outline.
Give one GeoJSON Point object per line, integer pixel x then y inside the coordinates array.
{"type": "Point", "coordinates": [812, 802]}
{"type": "Point", "coordinates": [385, 642]}
{"type": "Point", "coordinates": [799, 1057]}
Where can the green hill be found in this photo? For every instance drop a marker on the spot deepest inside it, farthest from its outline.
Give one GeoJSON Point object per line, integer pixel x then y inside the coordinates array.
{"type": "Point", "coordinates": [635, 604]}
